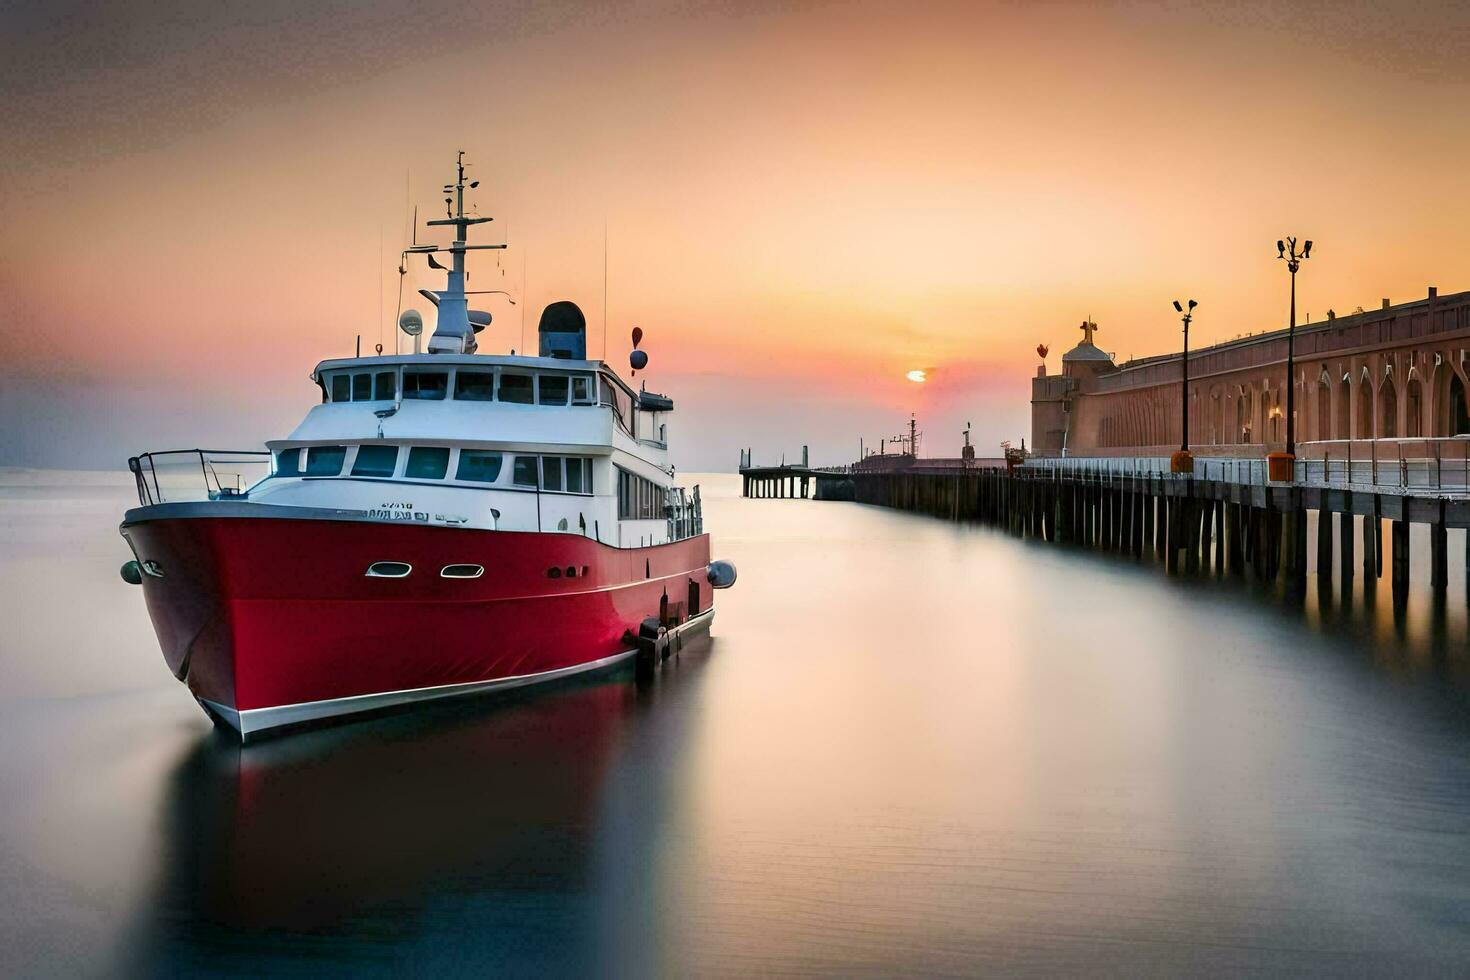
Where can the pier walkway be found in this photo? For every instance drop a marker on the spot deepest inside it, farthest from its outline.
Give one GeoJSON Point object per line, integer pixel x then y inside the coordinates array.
{"type": "Point", "coordinates": [1225, 514]}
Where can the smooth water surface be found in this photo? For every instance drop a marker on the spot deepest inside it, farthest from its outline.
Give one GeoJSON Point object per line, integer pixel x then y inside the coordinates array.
{"type": "Point", "coordinates": [911, 748]}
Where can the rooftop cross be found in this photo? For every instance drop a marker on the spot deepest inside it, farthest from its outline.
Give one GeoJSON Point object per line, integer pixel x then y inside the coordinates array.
{"type": "Point", "coordinates": [1088, 328]}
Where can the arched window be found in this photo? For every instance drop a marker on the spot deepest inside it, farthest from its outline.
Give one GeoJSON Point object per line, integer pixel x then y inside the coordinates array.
{"type": "Point", "coordinates": [1365, 410]}
{"type": "Point", "coordinates": [1243, 418]}
{"type": "Point", "coordinates": [1342, 424]}
{"type": "Point", "coordinates": [1413, 409]}
{"type": "Point", "coordinates": [1459, 408]}
{"type": "Point", "coordinates": [1324, 409]}
{"type": "Point", "coordinates": [1388, 410]}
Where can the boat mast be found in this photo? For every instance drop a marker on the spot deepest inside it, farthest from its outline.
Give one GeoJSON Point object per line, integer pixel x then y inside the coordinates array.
{"type": "Point", "coordinates": [453, 333]}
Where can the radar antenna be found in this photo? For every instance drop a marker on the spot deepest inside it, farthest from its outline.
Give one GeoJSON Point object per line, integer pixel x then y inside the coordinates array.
{"type": "Point", "coordinates": [454, 332]}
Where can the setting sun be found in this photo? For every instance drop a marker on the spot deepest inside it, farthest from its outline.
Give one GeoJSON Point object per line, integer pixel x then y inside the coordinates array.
{"type": "Point", "coordinates": [918, 375]}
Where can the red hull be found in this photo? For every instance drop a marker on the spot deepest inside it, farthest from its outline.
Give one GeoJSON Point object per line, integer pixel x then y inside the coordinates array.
{"type": "Point", "coordinates": [256, 614]}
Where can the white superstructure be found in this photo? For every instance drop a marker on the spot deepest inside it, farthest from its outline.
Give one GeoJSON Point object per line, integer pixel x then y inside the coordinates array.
{"type": "Point", "coordinates": [510, 443]}
{"type": "Point", "coordinates": [552, 443]}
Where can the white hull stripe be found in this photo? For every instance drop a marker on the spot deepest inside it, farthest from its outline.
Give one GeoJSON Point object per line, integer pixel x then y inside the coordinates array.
{"type": "Point", "coordinates": [253, 721]}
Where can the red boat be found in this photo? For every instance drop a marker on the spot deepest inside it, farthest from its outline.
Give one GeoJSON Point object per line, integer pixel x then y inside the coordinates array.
{"type": "Point", "coordinates": [442, 524]}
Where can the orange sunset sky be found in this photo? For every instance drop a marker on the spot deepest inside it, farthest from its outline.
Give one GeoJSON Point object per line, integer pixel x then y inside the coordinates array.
{"type": "Point", "coordinates": [803, 202]}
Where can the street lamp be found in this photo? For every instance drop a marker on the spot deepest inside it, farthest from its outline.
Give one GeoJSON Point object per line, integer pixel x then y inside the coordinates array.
{"type": "Point", "coordinates": [1182, 461]}
{"type": "Point", "coordinates": [1287, 252]}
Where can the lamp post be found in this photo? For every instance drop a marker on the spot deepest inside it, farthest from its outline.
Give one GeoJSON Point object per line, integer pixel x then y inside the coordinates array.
{"type": "Point", "coordinates": [1286, 251]}
{"type": "Point", "coordinates": [1182, 461]}
{"type": "Point", "coordinates": [1187, 315]}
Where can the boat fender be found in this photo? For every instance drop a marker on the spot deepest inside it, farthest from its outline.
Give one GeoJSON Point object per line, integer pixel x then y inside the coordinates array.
{"type": "Point", "coordinates": [131, 573]}
{"type": "Point", "coordinates": [721, 574]}
{"type": "Point", "coordinates": [652, 640]}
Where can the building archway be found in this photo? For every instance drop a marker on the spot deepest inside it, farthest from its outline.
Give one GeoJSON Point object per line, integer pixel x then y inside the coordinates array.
{"type": "Point", "coordinates": [1363, 428]}
{"type": "Point", "coordinates": [1324, 408]}
{"type": "Point", "coordinates": [1459, 407]}
{"type": "Point", "coordinates": [1342, 423]}
{"type": "Point", "coordinates": [1243, 418]}
{"type": "Point", "coordinates": [1388, 410]}
{"type": "Point", "coordinates": [1413, 409]}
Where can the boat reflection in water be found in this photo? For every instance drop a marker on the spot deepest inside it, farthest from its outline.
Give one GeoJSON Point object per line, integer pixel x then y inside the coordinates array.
{"type": "Point", "coordinates": [479, 833]}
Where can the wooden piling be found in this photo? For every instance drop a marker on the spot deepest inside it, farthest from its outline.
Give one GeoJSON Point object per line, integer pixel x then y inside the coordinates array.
{"type": "Point", "coordinates": [1206, 532]}
{"type": "Point", "coordinates": [1294, 524]}
{"type": "Point", "coordinates": [1400, 557]}
{"type": "Point", "coordinates": [1136, 545]}
{"type": "Point", "coordinates": [1171, 540]}
{"type": "Point", "coordinates": [1189, 537]}
{"type": "Point", "coordinates": [1370, 541]}
{"type": "Point", "coordinates": [1324, 543]}
{"type": "Point", "coordinates": [1235, 551]}
{"type": "Point", "coordinates": [1161, 524]}
{"type": "Point", "coordinates": [1438, 554]}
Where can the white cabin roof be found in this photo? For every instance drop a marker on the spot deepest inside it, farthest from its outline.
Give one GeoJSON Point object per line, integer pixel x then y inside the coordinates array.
{"type": "Point", "coordinates": [529, 363]}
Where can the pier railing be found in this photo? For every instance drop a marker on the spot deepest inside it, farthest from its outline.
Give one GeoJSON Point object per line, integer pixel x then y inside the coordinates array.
{"type": "Point", "coordinates": [1440, 465]}
{"type": "Point", "coordinates": [197, 474]}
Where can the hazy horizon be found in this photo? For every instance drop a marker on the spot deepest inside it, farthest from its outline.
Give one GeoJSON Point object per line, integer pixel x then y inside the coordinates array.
{"type": "Point", "coordinates": [801, 203]}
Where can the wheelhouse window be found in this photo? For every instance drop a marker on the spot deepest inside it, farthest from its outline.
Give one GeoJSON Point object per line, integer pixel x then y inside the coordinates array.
{"type": "Point", "coordinates": [375, 461]}
{"type": "Point", "coordinates": [478, 466]}
{"type": "Point", "coordinates": [362, 386]}
{"type": "Point", "coordinates": [552, 389]}
{"type": "Point", "coordinates": [638, 499]}
{"type": "Point", "coordinates": [288, 462]}
{"type": "Point", "coordinates": [425, 385]}
{"type": "Point", "coordinates": [579, 475]}
{"type": "Point", "coordinates": [427, 463]}
{"type": "Point", "coordinates": [570, 474]}
{"type": "Point", "coordinates": [516, 388]}
{"type": "Point", "coordinates": [622, 408]}
{"type": "Point", "coordinates": [551, 473]}
{"type": "Point", "coordinates": [523, 473]}
{"type": "Point", "coordinates": [325, 460]}
{"type": "Point", "coordinates": [582, 390]}
{"type": "Point", "coordinates": [474, 386]}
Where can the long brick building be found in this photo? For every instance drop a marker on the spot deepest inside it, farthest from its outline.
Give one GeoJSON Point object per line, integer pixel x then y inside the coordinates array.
{"type": "Point", "coordinates": [1399, 372]}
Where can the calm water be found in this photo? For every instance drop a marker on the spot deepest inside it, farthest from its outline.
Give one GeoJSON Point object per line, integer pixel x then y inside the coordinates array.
{"type": "Point", "coordinates": [911, 748]}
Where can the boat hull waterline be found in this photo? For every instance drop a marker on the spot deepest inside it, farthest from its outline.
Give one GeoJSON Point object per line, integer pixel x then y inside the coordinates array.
{"type": "Point", "coordinates": [274, 622]}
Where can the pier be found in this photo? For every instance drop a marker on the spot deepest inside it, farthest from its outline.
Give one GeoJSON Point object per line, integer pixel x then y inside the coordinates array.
{"type": "Point", "coordinates": [1226, 516]}
{"type": "Point", "coordinates": [788, 480]}
{"type": "Point", "coordinates": [1194, 457]}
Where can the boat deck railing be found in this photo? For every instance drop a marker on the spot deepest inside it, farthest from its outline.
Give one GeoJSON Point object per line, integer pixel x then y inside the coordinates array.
{"type": "Point", "coordinates": [197, 474]}
{"type": "Point", "coordinates": [685, 513]}
{"type": "Point", "coordinates": [1439, 466]}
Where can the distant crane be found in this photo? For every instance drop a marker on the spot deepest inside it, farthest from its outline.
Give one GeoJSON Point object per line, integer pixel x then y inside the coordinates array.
{"type": "Point", "coordinates": [909, 443]}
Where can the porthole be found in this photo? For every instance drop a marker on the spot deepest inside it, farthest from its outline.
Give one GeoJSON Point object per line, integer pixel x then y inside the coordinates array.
{"type": "Point", "coordinates": [389, 569]}
{"type": "Point", "coordinates": [462, 571]}
{"type": "Point", "coordinates": [553, 573]}
{"type": "Point", "coordinates": [571, 571]}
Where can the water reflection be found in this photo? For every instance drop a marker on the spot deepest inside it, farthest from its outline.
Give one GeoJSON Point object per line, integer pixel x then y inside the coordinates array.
{"type": "Point", "coordinates": [370, 842]}
{"type": "Point", "coordinates": [1425, 629]}
{"type": "Point", "coordinates": [913, 747]}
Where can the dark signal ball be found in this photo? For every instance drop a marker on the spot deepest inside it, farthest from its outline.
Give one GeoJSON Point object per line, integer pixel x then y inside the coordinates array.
{"type": "Point", "coordinates": [638, 358]}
